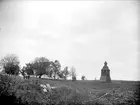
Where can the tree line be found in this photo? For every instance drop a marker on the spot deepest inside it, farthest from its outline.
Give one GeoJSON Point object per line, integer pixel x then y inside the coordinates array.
{"type": "Point", "coordinates": [38, 67]}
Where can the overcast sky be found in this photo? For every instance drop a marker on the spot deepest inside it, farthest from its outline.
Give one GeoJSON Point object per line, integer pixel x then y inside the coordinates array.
{"type": "Point", "coordinates": [82, 34]}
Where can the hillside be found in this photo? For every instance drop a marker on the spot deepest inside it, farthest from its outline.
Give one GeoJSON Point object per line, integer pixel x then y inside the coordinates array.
{"type": "Point", "coordinates": [86, 86]}
{"type": "Point", "coordinates": [28, 91]}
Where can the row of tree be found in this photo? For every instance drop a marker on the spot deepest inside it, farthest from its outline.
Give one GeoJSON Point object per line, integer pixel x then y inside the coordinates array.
{"type": "Point", "coordinates": [38, 67]}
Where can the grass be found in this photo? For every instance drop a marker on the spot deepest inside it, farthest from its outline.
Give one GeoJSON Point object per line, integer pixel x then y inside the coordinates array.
{"type": "Point", "coordinates": [86, 85]}
{"type": "Point", "coordinates": [68, 92]}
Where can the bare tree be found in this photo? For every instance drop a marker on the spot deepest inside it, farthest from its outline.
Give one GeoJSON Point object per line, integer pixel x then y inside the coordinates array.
{"type": "Point", "coordinates": [65, 72]}
{"type": "Point", "coordinates": [73, 73]}
{"type": "Point", "coordinates": [56, 67]}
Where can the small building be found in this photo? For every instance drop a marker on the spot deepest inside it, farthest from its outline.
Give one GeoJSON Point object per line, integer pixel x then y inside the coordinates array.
{"type": "Point", "coordinates": [105, 73]}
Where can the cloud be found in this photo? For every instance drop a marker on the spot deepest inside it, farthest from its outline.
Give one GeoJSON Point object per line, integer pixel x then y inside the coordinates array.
{"type": "Point", "coordinates": [78, 33]}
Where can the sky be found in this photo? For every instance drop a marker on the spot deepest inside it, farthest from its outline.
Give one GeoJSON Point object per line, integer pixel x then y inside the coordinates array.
{"type": "Point", "coordinates": [82, 34]}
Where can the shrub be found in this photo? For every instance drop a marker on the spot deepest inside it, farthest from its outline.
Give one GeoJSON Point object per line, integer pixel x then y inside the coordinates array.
{"type": "Point", "coordinates": [60, 95]}
{"type": "Point", "coordinates": [5, 84]}
{"type": "Point", "coordinates": [6, 92]}
{"type": "Point", "coordinates": [65, 96]}
{"type": "Point", "coordinates": [30, 93]}
{"type": "Point", "coordinates": [27, 92]}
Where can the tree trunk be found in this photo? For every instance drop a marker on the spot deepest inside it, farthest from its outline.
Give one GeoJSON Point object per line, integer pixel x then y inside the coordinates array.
{"type": "Point", "coordinates": [54, 76]}
{"type": "Point", "coordinates": [40, 76]}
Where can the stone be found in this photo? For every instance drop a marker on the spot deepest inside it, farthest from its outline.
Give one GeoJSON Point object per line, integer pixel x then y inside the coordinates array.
{"type": "Point", "coordinates": [105, 73]}
{"type": "Point", "coordinates": [48, 87]}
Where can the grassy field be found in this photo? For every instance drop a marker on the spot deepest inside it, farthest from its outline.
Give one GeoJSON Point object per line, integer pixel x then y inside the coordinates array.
{"type": "Point", "coordinates": [94, 87]}
{"type": "Point", "coordinates": [85, 92]}
{"type": "Point", "coordinates": [86, 85]}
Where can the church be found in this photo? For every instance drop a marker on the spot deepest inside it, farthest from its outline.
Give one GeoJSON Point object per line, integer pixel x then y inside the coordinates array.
{"type": "Point", "coordinates": [105, 73]}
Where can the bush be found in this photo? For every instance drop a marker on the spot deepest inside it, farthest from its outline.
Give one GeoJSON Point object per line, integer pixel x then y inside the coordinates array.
{"type": "Point", "coordinates": [60, 95]}
{"type": "Point", "coordinates": [28, 92]}
{"type": "Point", "coordinates": [6, 92]}
{"type": "Point", "coordinates": [65, 96]}
{"type": "Point", "coordinates": [5, 84]}
{"type": "Point", "coordinates": [74, 78]}
{"type": "Point", "coordinates": [94, 102]}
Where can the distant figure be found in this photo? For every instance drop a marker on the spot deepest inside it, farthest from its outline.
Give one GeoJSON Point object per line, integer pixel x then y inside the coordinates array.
{"type": "Point", "coordinates": [24, 74]}
{"type": "Point", "coordinates": [105, 73]}
{"type": "Point", "coordinates": [95, 79]}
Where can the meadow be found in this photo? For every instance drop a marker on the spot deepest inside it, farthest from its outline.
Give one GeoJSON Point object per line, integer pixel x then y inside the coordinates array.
{"type": "Point", "coordinates": [67, 92]}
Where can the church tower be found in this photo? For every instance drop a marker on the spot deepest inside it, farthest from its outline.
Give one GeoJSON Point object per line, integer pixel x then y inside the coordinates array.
{"type": "Point", "coordinates": [105, 73]}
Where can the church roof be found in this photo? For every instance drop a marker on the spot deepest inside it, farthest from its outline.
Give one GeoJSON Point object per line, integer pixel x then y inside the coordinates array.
{"type": "Point", "coordinates": [105, 67]}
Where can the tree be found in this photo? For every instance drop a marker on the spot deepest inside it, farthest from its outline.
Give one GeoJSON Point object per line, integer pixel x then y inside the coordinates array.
{"type": "Point", "coordinates": [65, 73]}
{"type": "Point", "coordinates": [22, 71]}
{"type": "Point", "coordinates": [83, 78]}
{"type": "Point", "coordinates": [40, 66]}
{"type": "Point", "coordinates": [50, 69]}
{"type": "Point", "coordinates": [60, 74]}
{"type": "Point", "coordinates": [56, 66]}
{"type": "Point", "coordinates": [11, 69]}
{"type": "Point", "coordinates": [10, 63]}
{"type": "Point", "coordinates": [25, 73]}
{"type": "Point", "coordinates": [73, 74]}
{"type": "Point", "coordinates": [29, 69]}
